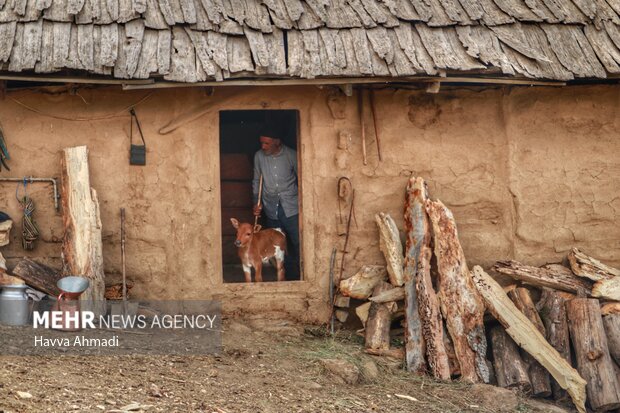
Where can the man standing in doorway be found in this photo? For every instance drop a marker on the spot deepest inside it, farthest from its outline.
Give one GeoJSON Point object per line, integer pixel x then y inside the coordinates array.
{"type": "Point", "coordinates": [277, 163]}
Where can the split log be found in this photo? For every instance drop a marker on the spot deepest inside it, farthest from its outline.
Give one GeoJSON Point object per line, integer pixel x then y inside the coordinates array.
{"type": "Point", "coordinates": [612, 330]}
{"type": "Point", "coordinates": [461, 303]}
{"type": "Point", "coordinates": [361, 285]}
{"type": "Point", "coordinates": [38, 276]}
{"type": "Point", "coordinates": [81, 246]}
{"type": "Point", "coordinates": [610, 308]}
{"type": "Point", "coordinates": [607, 289]}
{"type": "Point", "coordinates": [362, 312]}
{"type": "Point", "coordinates": [417, 229]}
{"type": "Point", "coordinates": [341, 315]}
{"type": "Point", "coordinates": [391, 247]}
{"type": "Point", "coordinates": [395, 294]}
{"type": "Point", "coordinates": [592, 354]}
{"type": "Point", "coordinates": [510, 369]}
{"type": "Point", "coordinates": [563, 280]}
{"type": "Point", "coordinates": [539, 377]}
{"type": "Point", "coordinates": [379, 320]}
{"type": "Point", "coordinates": [585, 266]}
{"type": "Point", "coordinates": [527, 336]}
{"type": "Point", "coordinates": [342, 301]}
{"type": "Point", "coordinates": [553, 313]}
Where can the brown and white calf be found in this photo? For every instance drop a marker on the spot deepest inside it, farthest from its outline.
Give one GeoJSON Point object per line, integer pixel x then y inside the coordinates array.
{"type": "Point", "coordinates": [257, 247]}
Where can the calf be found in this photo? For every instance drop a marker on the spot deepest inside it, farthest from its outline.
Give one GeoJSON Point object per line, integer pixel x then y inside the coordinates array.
{"type": "Point", "coordinates": [256, 247]}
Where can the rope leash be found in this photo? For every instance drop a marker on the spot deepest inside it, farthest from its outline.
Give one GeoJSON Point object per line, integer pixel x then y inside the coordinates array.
{"type": "Point", "coordinates": [30, 231]}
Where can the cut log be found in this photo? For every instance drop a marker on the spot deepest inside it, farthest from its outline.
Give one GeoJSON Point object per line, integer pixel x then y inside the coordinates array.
{"type": "Point", "coordinates": [362, 312]}
{"type": "Point", "coordinates": [379, 320]}
{"type": "Point", "coordinates": [361, 285]}
{"type": "Point", "coordinates": [342, 301]}
{"type": "Point", "coordinates": [395, 294]}
{"type": "Point", "coordinates": [341, 315]}
{"type": "Point", "coordinates": [607, 289]}
{"type": "Point", "coordinates": [417, 228]}
{"type": "Point", "coordinates": [585, 266]}
{"type": "Point", "coordinates": [527, 336]}
{"type": "Point", "coordinates": [461, 303]}
{"type": "Point", "coordinates": [39, 276]}
{"type": "Point", "coordinates": [510, 369]}
{"type": "Point", "coordinates": [553, 313]}
{"type": "Point", "coordinates": [391, 247]}
{"type": "Point", "coordinates": [539, 377]}
{"type": "Point", "coordinates": [545, 277]}
{"type": "Point", "coordinates": [612, 330]}
{"type": "Point", "coordinates": [81, 245]}
{"type": "Point", "coordinates": [592, 354]}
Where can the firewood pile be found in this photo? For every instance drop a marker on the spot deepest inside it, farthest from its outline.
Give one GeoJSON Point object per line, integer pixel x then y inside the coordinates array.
{"type": "Point", "coordinates": [553, 333]}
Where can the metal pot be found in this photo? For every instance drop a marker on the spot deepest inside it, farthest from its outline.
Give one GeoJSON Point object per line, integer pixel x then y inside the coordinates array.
{"type": "Point", "coordinates": [14, 306]}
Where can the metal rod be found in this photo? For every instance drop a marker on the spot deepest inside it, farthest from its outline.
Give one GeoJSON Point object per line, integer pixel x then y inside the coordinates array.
{"type": "Point", "coordinates": [31, 180]}
{"type": "Point", "coordinates": [346, 238]}
{"type": "Point", "coordinates": [332, 261]}
{"type": "Point", "coordinates": [123, 254]}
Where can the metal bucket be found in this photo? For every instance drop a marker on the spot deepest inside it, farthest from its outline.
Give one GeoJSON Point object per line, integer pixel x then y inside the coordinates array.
{"type": "Point", "coordinates": [14, 306]}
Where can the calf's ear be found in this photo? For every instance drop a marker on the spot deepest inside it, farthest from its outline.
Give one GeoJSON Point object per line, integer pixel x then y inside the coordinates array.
{"type": "Point", "coordinates": [257, 227]}
{"type": "Point", "coordinates": [235, 223]}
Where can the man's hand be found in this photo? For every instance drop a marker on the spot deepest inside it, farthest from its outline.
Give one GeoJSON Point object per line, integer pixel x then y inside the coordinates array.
{"type": "Point", "coordinates": [257, 210]}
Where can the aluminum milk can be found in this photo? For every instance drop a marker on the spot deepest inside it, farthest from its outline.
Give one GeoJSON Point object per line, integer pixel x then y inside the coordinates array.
{"type": "Point", "coordinates": [14, 306]}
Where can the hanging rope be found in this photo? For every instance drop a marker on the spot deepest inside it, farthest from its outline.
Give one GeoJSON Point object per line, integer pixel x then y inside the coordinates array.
{"type": "Point", "coordinates": [30, 232]}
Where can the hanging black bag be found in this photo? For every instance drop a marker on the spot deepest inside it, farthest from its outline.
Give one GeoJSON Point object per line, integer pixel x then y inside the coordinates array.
{"type": "Point", "coordinates": [137, 153]}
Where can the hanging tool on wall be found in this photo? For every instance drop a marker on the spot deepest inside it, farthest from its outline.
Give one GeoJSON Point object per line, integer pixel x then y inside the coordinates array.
{"type": "Point", "coordinates": [137, 153]}
{"type": "Point", "coordinates": [4, 152]}
{"type": "Point", "coordinates": [30, 231]}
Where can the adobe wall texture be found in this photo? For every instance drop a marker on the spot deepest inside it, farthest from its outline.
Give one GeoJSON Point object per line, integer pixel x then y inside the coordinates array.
{"type": "Point", "coordinates": [528, 173]}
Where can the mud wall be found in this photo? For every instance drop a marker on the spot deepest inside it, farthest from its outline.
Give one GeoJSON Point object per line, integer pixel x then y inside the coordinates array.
{"type": "Point", "coordinates": [528, 173]}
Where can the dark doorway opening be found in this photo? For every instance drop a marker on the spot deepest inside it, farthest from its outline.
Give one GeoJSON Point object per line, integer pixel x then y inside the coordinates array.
{"type": "Point", "coordinates": [239, 141]}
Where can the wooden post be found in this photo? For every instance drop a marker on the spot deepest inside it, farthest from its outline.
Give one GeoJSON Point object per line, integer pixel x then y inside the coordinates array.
{"type": "Point", "coordinates": [510, 369]}
{"type": "Point", "coordinates": [461, 303]}
{"type": "Point", "coordinates": [539, 377]}
{"type": "Point", "coordinates": [378, 323]}
{"type": "Point", "coordinates": [418, 276]}
{"type": "Point", "coordinates": [81, 246]}
{"type": "Point", "coordinates": [553, 313]}
{"type": "Point", "coordinates": [593, 360]}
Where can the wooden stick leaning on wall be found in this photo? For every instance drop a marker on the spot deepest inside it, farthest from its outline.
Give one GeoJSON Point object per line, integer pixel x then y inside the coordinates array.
{"type": "Point", "coordinates": [260, 202]}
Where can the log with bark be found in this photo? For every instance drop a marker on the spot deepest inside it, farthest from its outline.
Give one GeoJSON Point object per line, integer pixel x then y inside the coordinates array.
{"type": "Point", "coordinates": [379, 320]}
{"type": "Point", "coordinates": [81, 246]}
{"type": "Point", "coordinates": [510, 369]}
{"type": "Point", "coordinates": [592, 354]}
{"type": "Point", "coordinates": [391, 247]}
{"type": "Point", "coordinates": [527, 336]}
{"type": "Point", "coordinates": [38, 276]}
{"type": "Point", "coordinates": [539, 377]}
{"type": "Point", "coordinates": [585, 266]}
{"type": "Point", "coordinates": [461, 303]}
{"type": "Point", "coordinates": [416, 227]}
{"type": "Point", "coordinates": [553, 313]}
{"type": "Point", "coordinates": [551, 277]}
{"type": "Point", "coordinates": [361, 285]}
{"type": "Point", "coordinates": [612, 330]}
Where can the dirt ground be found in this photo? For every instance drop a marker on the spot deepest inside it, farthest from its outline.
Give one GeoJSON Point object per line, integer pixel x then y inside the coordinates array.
{"type": "Point", "coordinates": [263, 367]}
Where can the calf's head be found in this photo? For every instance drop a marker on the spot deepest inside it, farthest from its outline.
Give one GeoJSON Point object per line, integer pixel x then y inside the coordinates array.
{"type": "Point", "coordinates": [245, 232]}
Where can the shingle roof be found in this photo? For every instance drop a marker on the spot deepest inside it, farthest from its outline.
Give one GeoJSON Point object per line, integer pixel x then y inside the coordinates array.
{"type": "Point", "coordinates": [197, 40]}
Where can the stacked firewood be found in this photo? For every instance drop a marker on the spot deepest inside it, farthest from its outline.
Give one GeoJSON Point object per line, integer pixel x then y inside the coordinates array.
{"type": "Point", "coordinates": [460, 323]}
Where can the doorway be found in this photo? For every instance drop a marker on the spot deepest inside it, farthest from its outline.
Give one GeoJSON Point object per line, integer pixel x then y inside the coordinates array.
{"type": "Point", "coordinates": [239, 142]}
